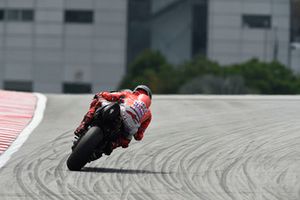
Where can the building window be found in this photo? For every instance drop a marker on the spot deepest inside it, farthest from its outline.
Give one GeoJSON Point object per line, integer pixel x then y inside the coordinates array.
{"type": "Point", "coordinates": [79, 16]}
{"type": "Point", "coordinates": [24, 15]}
{"type": "Point", "coordinates": [1, 15]}
{"type": "Point", "coordinates": [256, 21]}
{"type": "Point", "coordinates": [295, 21]}
{"type": "Point", "coordinates": [199, 28]}
{"type": "Point", "coordinates": [27, 15]}
{"type": "Point", "coordinates": [25, 86]}
{"type": "Point", "coordinates": [12, 15]}
{"type": "Point", "coordinates": [77, 88]}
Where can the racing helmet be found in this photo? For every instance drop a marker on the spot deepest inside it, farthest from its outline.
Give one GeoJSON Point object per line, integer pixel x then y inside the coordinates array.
{"type": "Point", "coordinates": [144, 88]}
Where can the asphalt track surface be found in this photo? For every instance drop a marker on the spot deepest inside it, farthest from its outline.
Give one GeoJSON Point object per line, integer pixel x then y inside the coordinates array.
{"type": "Point", "coordinates": [208, 148]}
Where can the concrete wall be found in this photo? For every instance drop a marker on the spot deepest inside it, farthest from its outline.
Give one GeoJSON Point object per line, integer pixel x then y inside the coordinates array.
{"type": "Point", "coordinates": [229, 42]}
{"type": "Point", "coordinates": [295, 60]}
{"type": "Point", "coordinates": [49, 51]}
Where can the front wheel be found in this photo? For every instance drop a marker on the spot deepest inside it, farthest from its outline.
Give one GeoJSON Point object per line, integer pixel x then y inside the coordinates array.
{"type": "Point", "coordinates": [84, 148]}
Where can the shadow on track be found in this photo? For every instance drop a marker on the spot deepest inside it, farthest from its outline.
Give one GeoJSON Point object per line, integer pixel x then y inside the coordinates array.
{"type": "Point", "coordinates": [121, 171]}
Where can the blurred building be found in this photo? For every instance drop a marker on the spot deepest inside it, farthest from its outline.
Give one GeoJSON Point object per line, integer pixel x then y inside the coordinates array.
{"type": "Point", "coordinates": [295, 35]}
{"type": "Point", "coordinates": [228, 32]}
{"type": "Point", "coordinates": [79, 46]}
{"type": "Point", "coordinates": [62, 45]}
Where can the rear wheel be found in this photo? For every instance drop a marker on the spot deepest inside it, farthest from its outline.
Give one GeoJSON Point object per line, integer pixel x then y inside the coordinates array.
{"type": "Point", "coordinates": [84, 148]}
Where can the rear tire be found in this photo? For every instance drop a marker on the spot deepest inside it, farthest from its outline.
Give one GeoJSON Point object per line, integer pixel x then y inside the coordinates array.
{"type": "Point", "coordinates": [84, 149]}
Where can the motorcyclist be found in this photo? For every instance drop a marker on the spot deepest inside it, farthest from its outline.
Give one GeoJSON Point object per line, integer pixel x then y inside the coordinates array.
{"type": "Point", "coordinates": [134, 112]}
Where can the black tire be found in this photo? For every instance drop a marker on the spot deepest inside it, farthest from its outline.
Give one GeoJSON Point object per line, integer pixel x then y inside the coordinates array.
{"type": "Point", "coordinates": [84, 149]}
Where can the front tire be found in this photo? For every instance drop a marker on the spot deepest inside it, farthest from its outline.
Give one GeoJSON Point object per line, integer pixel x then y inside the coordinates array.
{"type": "Point", "coordinates": [84, 149]}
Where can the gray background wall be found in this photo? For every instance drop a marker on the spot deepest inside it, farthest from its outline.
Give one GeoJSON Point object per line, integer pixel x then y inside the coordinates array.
{"type": "Point", "coordinates": [49, 51]}
{"type": "Point", "coordinates": [228, 40]}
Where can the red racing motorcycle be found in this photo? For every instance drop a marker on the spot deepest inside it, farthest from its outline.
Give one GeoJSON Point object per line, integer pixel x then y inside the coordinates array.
{"type": "Point", "coordinates": [105, 128]}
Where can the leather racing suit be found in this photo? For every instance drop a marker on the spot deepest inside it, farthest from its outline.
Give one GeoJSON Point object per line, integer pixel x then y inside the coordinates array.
{"type": "Point", "coordinates": [134, 110]}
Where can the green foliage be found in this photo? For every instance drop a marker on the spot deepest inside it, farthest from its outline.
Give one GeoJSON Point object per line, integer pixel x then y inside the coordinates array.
{"type": "Point", "coordinates": [266, 78]}
{"type": "Point", "coordinates": [152, 69]}
{"type": "Point", "coordinates": [212, 84]}
{"type": "Point", "coordinates": [201, 75]}
{"type": "Point", "coordinates": [147, 61]}
{"type": "Point", "coordinates": [198, 66]}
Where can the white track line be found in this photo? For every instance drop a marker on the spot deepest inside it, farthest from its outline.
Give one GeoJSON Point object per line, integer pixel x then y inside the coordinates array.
{"type": "Point", "coordinates": [37, 118]}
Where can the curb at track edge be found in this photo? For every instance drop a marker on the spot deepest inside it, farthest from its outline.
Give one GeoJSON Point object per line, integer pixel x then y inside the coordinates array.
{"type": "Point", "coordinates": [23, 136]}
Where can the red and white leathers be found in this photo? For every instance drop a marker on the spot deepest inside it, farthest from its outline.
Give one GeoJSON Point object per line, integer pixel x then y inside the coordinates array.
{"type": "Point", "coordinates": [135, 114]}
